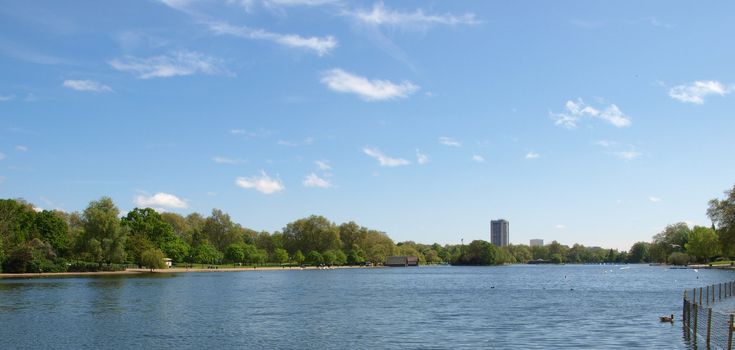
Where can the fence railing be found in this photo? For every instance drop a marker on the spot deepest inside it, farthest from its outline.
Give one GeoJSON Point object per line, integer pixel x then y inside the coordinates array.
{"type": "Point", "coordinates": [702, 322]}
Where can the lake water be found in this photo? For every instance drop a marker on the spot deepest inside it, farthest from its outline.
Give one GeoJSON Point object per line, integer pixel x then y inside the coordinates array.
{"type": "Point", "coordinates": [507, 307]}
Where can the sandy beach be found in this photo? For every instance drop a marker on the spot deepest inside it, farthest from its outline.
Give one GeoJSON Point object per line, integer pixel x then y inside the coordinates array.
{"type": "Point", "coordinates": [170, 270]}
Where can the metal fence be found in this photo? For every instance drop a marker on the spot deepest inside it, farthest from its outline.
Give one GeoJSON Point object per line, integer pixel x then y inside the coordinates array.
{"type": "Point", "coordinates": [704, 323]}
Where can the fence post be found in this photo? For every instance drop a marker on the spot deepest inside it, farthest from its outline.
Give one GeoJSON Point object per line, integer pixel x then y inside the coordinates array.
{"type": "Point", "coordinates": [709, 324]}
{"type": "Point", "coordinates": [729, 333]}
{"type": "Point", "coordinates": [700, 296]}
{"type": "Point", "coordinates": [713, 294]}
{"type": "Point", "coordinates": [719, 297]}
{"type": "Point", "coordinates": [696, 313]}
{"type": "Point", "coordinates": [706, 291]}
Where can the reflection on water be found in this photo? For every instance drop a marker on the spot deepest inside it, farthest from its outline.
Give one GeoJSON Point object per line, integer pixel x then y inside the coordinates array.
{"type": "Point", "coordinates": [529, 307]}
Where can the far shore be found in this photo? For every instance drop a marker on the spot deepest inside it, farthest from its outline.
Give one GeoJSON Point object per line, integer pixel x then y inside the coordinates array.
{"type": "Point", "coordinates": [171, 270]}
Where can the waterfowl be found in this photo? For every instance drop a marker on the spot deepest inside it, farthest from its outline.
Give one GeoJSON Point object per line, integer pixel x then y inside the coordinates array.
{"type": "Point", "coordinates": [667, 318]}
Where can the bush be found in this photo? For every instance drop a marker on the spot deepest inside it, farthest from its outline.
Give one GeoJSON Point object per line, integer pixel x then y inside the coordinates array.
{"type": "Point", "coordinates": [677, 258]}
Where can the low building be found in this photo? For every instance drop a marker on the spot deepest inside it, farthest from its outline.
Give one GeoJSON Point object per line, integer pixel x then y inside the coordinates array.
{"type": "Point", "coordinates": [537, 243]}
{"type": "Point", "coordinates": [168, 262]}
{"type": "Point", "coordinates": [402, 261]}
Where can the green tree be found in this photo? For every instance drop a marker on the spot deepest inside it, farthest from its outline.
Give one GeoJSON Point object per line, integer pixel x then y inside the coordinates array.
{"type": "Point", "coordinates": [679, 258]}
{"type": "Point", "coordinates": [207, 254]}
{"type": "Point", "coordinates": [101, 224]}
{"type": "Point", "coordinates": [153, 259]}
{"type": "Point", "coordinates": [478, 252]}
{"type": "Point", "coordinates": [639, 252]}
{"type": "Point", "coordinates": [220, 231]}
{"type": "Point", "coordinates": [703, 243]}
{"type": "Point", "coordinates": [312, 233]}
{"type": "Point", "coordinates": [280, 256]}
{"type": "Point", "coordinates": [298, 257]}
{"type": "Point", "coordinates": [722, 214]}
{"type": "Point", "coordinates": [235, 253]}
{"type": "Point", "coordinates": [54, 230]}
{"type": "Point", "coordinates": [329, 257]}
{"type": "Point", "coordinates": [314, 258]}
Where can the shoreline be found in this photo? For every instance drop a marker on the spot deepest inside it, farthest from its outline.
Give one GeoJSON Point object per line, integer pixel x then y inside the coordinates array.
{"type": "Point", "coordinates": [168, 271]}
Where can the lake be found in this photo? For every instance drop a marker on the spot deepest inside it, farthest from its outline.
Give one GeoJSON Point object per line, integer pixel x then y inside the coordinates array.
{"type": "Point", "coordinates": [519, 306]}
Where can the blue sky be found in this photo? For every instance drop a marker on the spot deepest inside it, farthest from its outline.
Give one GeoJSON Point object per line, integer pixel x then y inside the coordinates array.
{"type": "Point", "coordinates": [578, 121]}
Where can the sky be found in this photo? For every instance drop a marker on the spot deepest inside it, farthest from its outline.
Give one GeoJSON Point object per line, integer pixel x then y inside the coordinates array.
{"type": "Point", "coordinates": [592, 122]}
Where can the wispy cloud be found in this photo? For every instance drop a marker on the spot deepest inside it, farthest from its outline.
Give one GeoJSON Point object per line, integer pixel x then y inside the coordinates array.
{"type": "Point", "coordinates": [695, 92]}
{"type": "Point", "coordinates": [384, 160]}
{"type": "Point", "coordinates": [323, 165]}
{"type": "Point", "coordinates": [299, 2]}
{"type": "Point", "coordinates": [4, 98]}
{"type": "Point", "coordinates": [654, 199]}
{"type": "Point", "coordinates": [226, 160]}
{"type": "Point", "coordinates": [320, 45]}
{"type": "Point", "coordinates": [86, 85]}
{"type": "Point", "coordinates": [261, 183]}
{"type": "Point", "coordinates": [448, 141]}
{"type": "Point", "coordinates": [252, 134]}
{"type": "Point", "coordinates": [21, 148]}
{"type": "Point", "coordinates": [620, 152]}
{"type": "Point", "coordinates": [160, 200]}
{"type": "Point", "coordinates": [380, 15]}
{"type": "Point", "coordinates": [313, 180]}
{"type": "Point", "coordinates": [532, 155]}
{"type": "Point", "coordinates": [179, 63]}
{"type": "Point", "coordinates": [2, 155]}
{"type": "Point", "coordinates": [578, 110]}
{"type": "Point", "coordinates": [560, 227]}
{"type": "Point", "coordinates": [369, 90]}
{"type": "Point", "coordinates": [478, 158]}
{"type": "Point", "coordinates": [627, 155]}
{"type": "Point", "coordinates": [421, 158]}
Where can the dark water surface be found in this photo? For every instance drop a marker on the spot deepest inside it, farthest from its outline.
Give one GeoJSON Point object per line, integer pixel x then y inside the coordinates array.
{"type": "Point", "coordinates": [509, 307]}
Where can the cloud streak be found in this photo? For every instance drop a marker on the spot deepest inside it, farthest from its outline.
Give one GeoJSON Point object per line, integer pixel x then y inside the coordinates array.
{"type": "Point", "coordinates": [380, 15]}
{"type": "Point", "coordinates": [86, 85]}
{"type": "Point", "coordinates": [181, 63]}
{"type": "Point", "coordinates": [448, 141]}
{"type": "Point", "coordinates": [383, 160]}
{"type": "Point", "coordinates": [341, 81]}
{"type": "Point", "coordinates": [319, 45]}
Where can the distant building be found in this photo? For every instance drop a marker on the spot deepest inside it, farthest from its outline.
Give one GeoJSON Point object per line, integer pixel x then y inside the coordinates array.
{"type": "Point", "coordinates": [402, 261]}
{"type": "Point", "coordinates": [168, 262]}
{"type": "Point", "coordinates": [499, 232]}
{"type": "Point", "coordinates": [537, 243]}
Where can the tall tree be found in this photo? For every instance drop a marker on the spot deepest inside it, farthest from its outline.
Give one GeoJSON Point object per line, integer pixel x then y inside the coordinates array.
{"type": "Point", "coordinates": [722, 214]}
{"type": "Point", "coordinates": [703, 243]}
{"type": "Point", "coordinates": [314, 233]}
{"type": "Point", "coordinates": [103, 232]}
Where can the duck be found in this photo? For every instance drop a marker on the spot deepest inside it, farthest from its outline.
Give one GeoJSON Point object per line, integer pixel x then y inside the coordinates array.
{"type": "Point", "coordinates": [667, 318]}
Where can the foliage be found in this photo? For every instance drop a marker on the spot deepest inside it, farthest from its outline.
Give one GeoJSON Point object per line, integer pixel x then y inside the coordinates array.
{"type": "Point", "coordinates": [298, 257]}
{"type": "Point", "coordinates": [153, 259]}
{"type": "Point", "coordinates": [478, 252]}
{"type": "Point", "coordinates": [314, 233]}
{"type": "Point", "coordinates": [639, 252]}
{"type": "Point", "coordinates": [722, 214]}
{"type": "Point", "coordinates": [314, 258]}
{"type": "Point", "coordinates": [678, 258]}
{"type": "Point", "coordinates": [703, 243]}
{"type": "Point", "coordinates": [280, 255]}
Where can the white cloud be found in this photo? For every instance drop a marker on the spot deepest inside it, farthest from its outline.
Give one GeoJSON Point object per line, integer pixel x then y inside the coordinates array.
{"type": "Point", "coordinates": [478, 158]}
{"type": "Point", "coordinates": [654, 199]}
{"type": "Point", "coordinates": [180, 63]}
{"type": "Point", "coordinates": [4, 98]}
{"type": "Point", "coordinates": [86, 85]}
{"type": "Point", "coordinates": [448, 141]}
{"type": "Point", "coordinates": [383, 159]}
{"type": "Point", "coordinates": [263, 183]}
{"type": "Point", "coordinates": [532, 155]}
{"type": "Point", "coordinates": [2, 155]}
{"type": "Point", "coordinates": [320, 45]}
{"type": "Point", "coordinates": [313, 180]}
{"type": "Point", "coordinates": [696, 92]}
{"type": "Point", "coordinates": [2, 179]}
{"type": "Point", "coordinates": [421, 158]}
{"type": "Point", "coordinates": [577, 110]}
{"type": "Point", "coordinates": [323, 165]}
{"type": "Point", "coordinates": [560, 227]}
{"type": "Point", "coordinates": [606, 144]}
{"type": "Point", "coordinates": [369, 90]}
{"type": "Point", "coordinates": [382, 16]}
{"type": "Point", "coordinates": [627, 155]}
{"type": "Point", "coordinates": [300, 2]}
{"type": "Point", "coordinates": [20, 148]}
{"type": "Point", "coordinates": [160, 200]}
{"type": "Point", "coordinates": [225, 160]}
